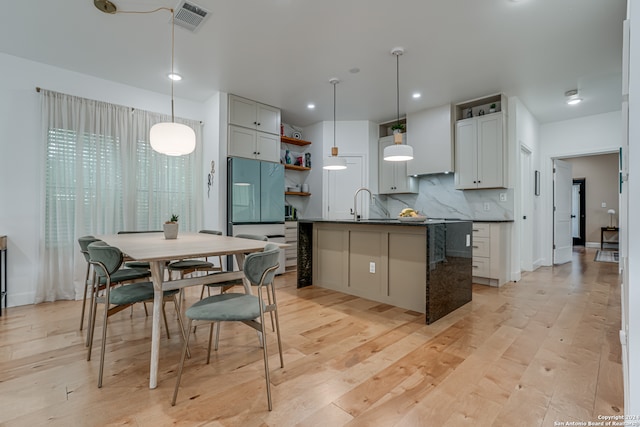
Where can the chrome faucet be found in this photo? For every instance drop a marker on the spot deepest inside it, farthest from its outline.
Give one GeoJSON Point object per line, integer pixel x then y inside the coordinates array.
{"type": "Point", "coordinates": [355, 201]}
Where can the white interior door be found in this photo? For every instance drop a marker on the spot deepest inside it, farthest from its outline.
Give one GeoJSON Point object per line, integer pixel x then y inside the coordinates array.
{"type": "Point", "coordinates": [562, 190]}
{"type": "Point", "coordinates": [341, 187]}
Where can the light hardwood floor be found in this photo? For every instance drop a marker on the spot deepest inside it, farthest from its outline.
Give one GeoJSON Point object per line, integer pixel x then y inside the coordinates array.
{"type": "Point", "coordinates": [531, 353]}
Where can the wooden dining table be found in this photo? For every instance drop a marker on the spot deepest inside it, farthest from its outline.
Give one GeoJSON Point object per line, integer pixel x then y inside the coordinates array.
{"type": "Point", "coordinates": [157, 250]}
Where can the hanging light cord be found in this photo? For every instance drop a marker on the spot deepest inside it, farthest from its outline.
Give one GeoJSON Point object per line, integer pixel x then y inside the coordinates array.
{"type": "Point", "coordinates": [398, 89]}
{"type": "Point", "coordinates": [334, 114]}
{"type": "Point", "coordinates": [173, 28]}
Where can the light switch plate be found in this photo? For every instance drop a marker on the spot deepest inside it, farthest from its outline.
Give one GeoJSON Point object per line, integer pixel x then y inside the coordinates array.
{"type": "Point", "coordinates": [372, 267]}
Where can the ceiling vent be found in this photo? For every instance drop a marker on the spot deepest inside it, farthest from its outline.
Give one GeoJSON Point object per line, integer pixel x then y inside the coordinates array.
{"type": "Point", "coordinates": [190, 15]}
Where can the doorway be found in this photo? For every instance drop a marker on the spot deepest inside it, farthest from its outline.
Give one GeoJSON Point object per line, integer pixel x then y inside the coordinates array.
{"type": "Point", "coordinates": [578, 214]}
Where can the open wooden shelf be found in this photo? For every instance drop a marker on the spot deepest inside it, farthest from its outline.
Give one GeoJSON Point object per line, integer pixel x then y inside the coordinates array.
{"type": "Point", "coordinates": [294, 141]}
{"type": "Point", "coordinates": [296, 168]}
{"type": "Point", "coordinates": [296, 193]}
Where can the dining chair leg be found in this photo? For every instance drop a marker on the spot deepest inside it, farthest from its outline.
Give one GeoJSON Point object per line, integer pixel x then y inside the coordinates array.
{"type": "Point", "coordinates": [265, 355]}
{"type": "Point", "coordinates": [92, 304]}
{"type": "Point", "coordinates": [181, 324]}
{"type": "Point", "coordinates": [146, 312]}
{"type": "Point", "coordinates": [273, 328]}
{"type": "Point", "coordinates": [104, 340]}
{"type": "Point", "coordinates": [184, 354]}
{"type": "Point", "coordinates": [84, 297]}
{"type": "Point", "coordinates": [217, 334]}
{"type": "Point", "coordinates": [209, 346]}
{"type": "Point", "coordinates": [166, 324]}
{"type": "Point", "coordinates": [275, 314]}
{"type": "Point", "coordinates": [92, 326]}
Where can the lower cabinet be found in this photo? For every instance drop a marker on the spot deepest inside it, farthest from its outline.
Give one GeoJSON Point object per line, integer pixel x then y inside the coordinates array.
{"type": "Point", "coordinates": [490, 250]}
{"type": "Point", "coordinates": [291, 238]}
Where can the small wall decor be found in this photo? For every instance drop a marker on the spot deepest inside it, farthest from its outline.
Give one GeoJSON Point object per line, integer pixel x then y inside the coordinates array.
{"type": "Point", "coordinates": [536, 181]}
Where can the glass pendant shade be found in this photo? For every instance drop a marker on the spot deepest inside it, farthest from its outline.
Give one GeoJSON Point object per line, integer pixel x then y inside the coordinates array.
{"type": "Point", "coordinates": [335, 163]}
{"type": "Point", "coordinates": [172, 139]}
{"type": "Point", "coordinates": [398, 153]}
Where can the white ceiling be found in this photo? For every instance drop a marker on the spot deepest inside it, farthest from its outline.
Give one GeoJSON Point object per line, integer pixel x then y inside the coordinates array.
{"type": "Point", "coordinates": [283, 52]}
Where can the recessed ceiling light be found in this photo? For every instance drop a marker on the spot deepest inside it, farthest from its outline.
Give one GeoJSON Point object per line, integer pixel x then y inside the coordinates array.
{"type": "Point", "coordinates": [174, 76]}
{"type": "Point", "coordinates": [416, 95]}
{"type": "Point", "coordinates": [572, 97]}
{"type": "Point", "coordinates": [311, 106]}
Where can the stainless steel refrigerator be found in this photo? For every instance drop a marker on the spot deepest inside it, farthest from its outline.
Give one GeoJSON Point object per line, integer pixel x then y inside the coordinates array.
{"type": "Point", "coordinates": [255, 199]}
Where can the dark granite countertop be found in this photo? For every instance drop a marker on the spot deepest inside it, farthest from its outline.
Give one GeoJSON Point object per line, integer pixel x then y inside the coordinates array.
{"type": "Point", "coordinates": [492, 220]}
{"type": "Point", "coordinates": [385, 221]}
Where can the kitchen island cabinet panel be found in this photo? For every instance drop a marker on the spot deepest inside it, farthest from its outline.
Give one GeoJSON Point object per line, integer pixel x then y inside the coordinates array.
{"type": "Point", "coordinates": [366, 247]}
{"type": "Point", "coordinates": [329, 250]}
{"type": "Point", "coordinates": [407, 272]}
{"type": "Point", "coordinates": [415, 266]}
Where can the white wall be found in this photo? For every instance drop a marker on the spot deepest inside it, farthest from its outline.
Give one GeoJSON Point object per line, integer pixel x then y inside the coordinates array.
{"type": "Point", "coordinates": [587, 135]}
{"type": "Point", "coordinates": [21, 149]}
{"type": "Point", "coordinates": [633, 400]}
{"type": "Point", "coordinates": [525, 132]}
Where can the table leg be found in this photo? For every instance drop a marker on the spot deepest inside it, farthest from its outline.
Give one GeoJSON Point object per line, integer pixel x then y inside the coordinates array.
{"type": "Point", "coordinates": [157, 275]}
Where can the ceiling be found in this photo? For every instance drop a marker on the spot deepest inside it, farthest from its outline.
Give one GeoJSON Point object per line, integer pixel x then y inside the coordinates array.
{"type": "Point", "coordinates": [283, 52]}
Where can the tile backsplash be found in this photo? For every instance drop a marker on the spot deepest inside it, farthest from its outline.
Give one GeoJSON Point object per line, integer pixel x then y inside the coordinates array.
{"type": "Point", "coordinates": [438, 198]}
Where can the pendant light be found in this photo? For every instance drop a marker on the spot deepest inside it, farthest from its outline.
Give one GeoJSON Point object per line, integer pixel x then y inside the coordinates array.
{"type": "Point", "coordinates": [398, 152]}
{"type": "Point", "coordinates": [334, 162]}
{"type": "Point", "coordinates": [171, 138]}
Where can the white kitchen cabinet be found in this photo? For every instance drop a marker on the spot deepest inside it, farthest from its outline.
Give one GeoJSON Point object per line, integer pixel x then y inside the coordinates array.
{"type": "Point", "coordinates": [480, 152]}
{"type": "Point", "coordinates": [431, 137]}
{"type": "Point", "coordinates": [251, 144]}
{"type": "Point", "coordinates": [392, 176]}
{"type": "Point", "coordinates": [254, 115]}
{"type": "Point", "coordinates": [490, 250]}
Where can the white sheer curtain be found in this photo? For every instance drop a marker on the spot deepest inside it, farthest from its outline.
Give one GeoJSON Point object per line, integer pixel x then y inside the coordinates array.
{"type": "Point", "coordinates": [101, 176]}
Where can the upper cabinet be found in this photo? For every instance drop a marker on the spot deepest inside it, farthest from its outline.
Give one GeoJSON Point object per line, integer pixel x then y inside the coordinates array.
{"type": "Point", "coordinates": [480, 144]}
{"type": "Point", "coordinates": [251, 144]}
{"type": "Point", "coordinates": [254, 130]}
{"type": "Point", "coordinates": [392, 176]}
{"type": "Point", "coordinates": [254, 115]}
{"type": "Point", "coordinates": [431, 137]}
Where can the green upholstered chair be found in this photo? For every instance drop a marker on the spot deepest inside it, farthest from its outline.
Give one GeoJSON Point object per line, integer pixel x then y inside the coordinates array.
{"type": "Point", "coordinates": [188, 266]}
{"type": "Point", "coordinates": [259, 268]}
{"type": "Point", "coordinates": [231, 283]}
{"type": "Point", "coordinates": [106, 261]}
{"type": "Point", "coordinates": [118, 277]}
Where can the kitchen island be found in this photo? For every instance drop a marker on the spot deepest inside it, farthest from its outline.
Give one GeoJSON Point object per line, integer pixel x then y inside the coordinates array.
{"type": "Point", "coordinates": [421, 266]}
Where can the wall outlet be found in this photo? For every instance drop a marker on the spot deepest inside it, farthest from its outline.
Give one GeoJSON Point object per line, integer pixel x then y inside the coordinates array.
{"type": "Point", "coordinates": [486, 206]}
{"type": "Point", "coordinates": [503, 197]}
{"type": "Point", "coordinates": [372, 267]}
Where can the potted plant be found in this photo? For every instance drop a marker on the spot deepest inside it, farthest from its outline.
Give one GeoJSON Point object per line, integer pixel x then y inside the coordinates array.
{"type": "Point", "coordinates": [492, 108]}
{"type": "Point", "coordinates": [170, 228]}
{"type": "Point", "coordinates": [397, 128]}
